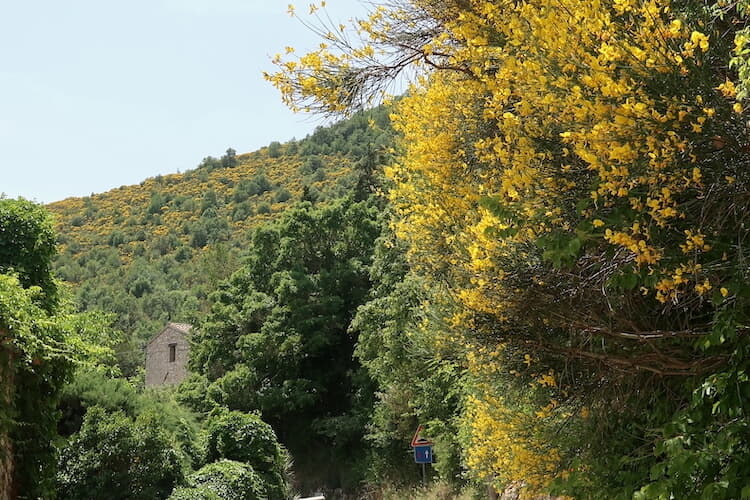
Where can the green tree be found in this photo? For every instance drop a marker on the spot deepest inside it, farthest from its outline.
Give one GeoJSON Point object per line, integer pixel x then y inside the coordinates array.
{"type": "Point", "coordinates": [282, 195]}
{"type": "Point", "coordinates": [312, 164]}
{"type": "Point", "coordinates": [93, 388]}
{"type": "Point", "coordinates": [115, 457]}
{"type": "Point", "coordinates": [40, 343]}
{"type": "Point", "coordinates": [229, 159]}
{"type": "Point", "coordinates": [274, 149]}
{"type": "Point", "coordinates": [157, 201]}
{"type": "Point", "coordinates": [416, 384]}
{"type": "Point", "coordinates": [277, 338]}
{"type": "Point", "coordinates": [27, 246]}
{"type": "Point", "coordinates": [210, 200]}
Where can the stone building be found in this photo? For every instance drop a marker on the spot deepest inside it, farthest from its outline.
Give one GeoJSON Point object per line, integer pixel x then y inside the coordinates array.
{"type": "Point", "coordinates": [167, 355]}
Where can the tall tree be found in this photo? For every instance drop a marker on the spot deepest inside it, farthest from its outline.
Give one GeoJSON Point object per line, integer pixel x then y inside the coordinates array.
{"type": "Point", "coordinates": [277, 338]}
{"type": "Point", "coordinates": [39, 343]}
{"type": "Point", "coordinates": [27, 246]}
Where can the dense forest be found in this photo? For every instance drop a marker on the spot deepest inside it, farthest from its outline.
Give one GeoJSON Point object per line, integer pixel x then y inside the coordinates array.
{"type": "Point", "coordinates": [537, 253]}
{"type": "Point", "coordinates": [269, 255]}
{"type": "Point", "coordinates": [153, 252]}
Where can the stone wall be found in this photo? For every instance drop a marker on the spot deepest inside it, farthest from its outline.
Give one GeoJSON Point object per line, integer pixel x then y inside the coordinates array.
{"type": "Point", "coordinates": [159, 369]}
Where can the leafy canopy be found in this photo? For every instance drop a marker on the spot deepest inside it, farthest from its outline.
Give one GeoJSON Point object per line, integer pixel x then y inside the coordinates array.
{"type": "Point", "coordinates": [573, 184]}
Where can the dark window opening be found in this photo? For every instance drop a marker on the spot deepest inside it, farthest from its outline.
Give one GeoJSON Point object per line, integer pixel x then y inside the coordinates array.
{"type": "Point", "coordinates": [172, 352]}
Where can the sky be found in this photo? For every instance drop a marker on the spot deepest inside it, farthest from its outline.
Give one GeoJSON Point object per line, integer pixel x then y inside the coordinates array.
{"type": "Point", "coordinates": [96, 94]}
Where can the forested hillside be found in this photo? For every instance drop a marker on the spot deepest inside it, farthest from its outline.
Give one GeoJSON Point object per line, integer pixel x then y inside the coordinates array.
{"type": "Point", "coordinates": [543, 264]}
{"type": "Point", "coordinates": [269, 255]}
{"type": "Point", "coordinates": [154, 251]}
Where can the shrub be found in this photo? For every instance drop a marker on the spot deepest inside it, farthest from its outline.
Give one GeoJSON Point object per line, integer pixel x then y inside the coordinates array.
{"type": "Point", "coordinates": [264, 208]}
{"type": "Point", "coordinates": [244, 437]}
{"type": "Point", "coordinates": [113, 455]}
{"type": "Point", "coordinates": [283, 195]}
{"type": "Point", "coordinates": [274, 149]}
{"type": "Point", "coordinates": [202, 493]}
{"type": "Point", "coordinates": [225, 480]}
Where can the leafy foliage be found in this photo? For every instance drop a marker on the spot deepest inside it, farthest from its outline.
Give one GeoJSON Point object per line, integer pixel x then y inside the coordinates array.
{"type": "Point", "coordinates": [572, 186]}
{"type": "Point", "coordinates": [113, 456]}
{"type": "Point", "coordinates": [415, 383]}
{"type": "Point", "coordinates": [225, 480]}
{"type": "Point", "coordinates": [244, 437]}
{"type": "Point", "coordinates": [27, 246]}
{"type": "Point", "coordinates": [277, 337]}
{"type": "Point", "coordinates": [41, 342]}
{"type": "Point", "coordinates": [152, 443]}
{"type": "Point", "coordinates": [95, 389]}
{"type": "Point", "coordinates": [154, 252]}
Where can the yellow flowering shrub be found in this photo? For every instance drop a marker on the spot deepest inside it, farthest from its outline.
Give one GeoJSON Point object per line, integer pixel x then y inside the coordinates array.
{"type": "Point", "coordinates": [506, 429]}
{"type": "Point", "coordinates": [109, 210]}
{"type": "Point", "coordinates": [571, 115]}
{"type": "Point", "coordinates": [572, 171]}
{"type": "Point", "coordinates": [502, 448]}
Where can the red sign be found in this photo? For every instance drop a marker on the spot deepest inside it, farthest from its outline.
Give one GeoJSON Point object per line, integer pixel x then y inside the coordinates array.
{"type": "Point", "coordinates": [418, 440]}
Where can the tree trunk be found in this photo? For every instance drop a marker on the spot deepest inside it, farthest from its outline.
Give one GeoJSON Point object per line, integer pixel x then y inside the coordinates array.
{"type": "Point", "coordinates": [492, 493]}
{"type": "Point", "coordinates": [7, 386]}
{"type": "Point", "coordinates": [6, 468]}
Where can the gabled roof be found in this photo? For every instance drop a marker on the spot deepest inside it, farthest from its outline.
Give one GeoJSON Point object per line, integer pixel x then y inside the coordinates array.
{"type": "Point", "coordinates": [183, 328]}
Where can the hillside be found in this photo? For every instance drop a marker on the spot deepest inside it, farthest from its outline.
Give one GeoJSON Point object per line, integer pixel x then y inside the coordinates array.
{"type": "Point", "coordinates": [153, 252]}
{"type": "Point", "coordinates": [555, 292]}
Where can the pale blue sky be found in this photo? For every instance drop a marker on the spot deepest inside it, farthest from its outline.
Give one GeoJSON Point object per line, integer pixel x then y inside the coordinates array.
{"type": "Point", "coordinates": [95, 94]}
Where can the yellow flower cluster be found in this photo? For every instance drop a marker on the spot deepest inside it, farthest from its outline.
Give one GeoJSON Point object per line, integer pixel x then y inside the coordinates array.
{"type": "Point", "coordinates": [122, 207]}
{"type": "Point", "coordinates": [558, 103]}
{"type": "Point", "coordinates": [544, 117]}
{"type": "Point", "coordinates": [505, 433]}
{"type": "Point", "coordinates": [503, 447]}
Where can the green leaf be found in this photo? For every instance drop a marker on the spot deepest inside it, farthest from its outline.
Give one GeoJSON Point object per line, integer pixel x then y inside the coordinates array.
{"type": "Point", "coordinates": [657, 471]}
{"type": "Point", "coordinates": [574, 246]}
{"type": "Point", "coordinates": [717, 298]}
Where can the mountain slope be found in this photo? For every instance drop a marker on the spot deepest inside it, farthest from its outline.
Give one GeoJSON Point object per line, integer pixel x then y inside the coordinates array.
{"type": "Point", "coordinates": [153, 252]}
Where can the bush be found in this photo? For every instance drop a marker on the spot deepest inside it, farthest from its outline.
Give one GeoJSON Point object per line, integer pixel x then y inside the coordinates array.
{"type": "Point", "coordinates": [199, 238]}
{"type": "Point", "coordinates": [312, 164]}
{"type": "Point", "coordinates": [93, 388]}
{"type": "Point", "coordinates": [225, 480]}
{"type": "Point", "coordinates": [202, 493]}
{"type": "Point", "coordinates": [274, 149]}
{"type": "Point", "coordinates": [116, 238]}
{"type": "Point", "coordinates": [282, 195]}
{"type": "Point", "coordinates": [244, 437]}
{"type": "Point", "coordinates": [264, 208]}
{"type": "Point", "coordinates": [113, 455]}
{"type": "Point", "coordinates": [242, 211]}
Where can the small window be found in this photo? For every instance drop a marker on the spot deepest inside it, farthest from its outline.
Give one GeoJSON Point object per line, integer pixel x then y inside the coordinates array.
{"type": "Point", "coordinates": [172, 352]}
